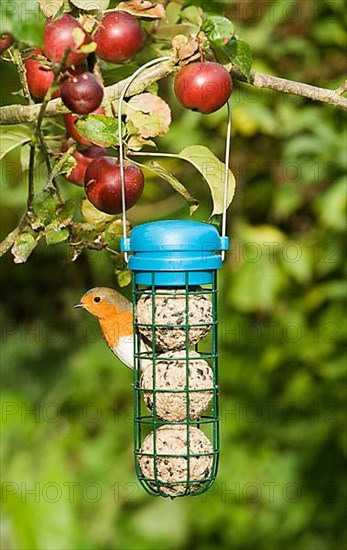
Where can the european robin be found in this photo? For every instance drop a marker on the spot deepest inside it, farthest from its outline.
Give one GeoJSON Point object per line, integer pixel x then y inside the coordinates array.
{"type": "Point", "coordinates": [115, 315]}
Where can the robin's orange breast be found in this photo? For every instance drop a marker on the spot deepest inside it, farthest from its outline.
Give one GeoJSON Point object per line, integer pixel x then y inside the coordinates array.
{"type": "Point", "coordinates": [116, 326]}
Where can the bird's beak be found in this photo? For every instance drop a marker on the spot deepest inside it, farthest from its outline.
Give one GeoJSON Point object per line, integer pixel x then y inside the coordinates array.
{"type": "Point", "coordinates": [78, 305]}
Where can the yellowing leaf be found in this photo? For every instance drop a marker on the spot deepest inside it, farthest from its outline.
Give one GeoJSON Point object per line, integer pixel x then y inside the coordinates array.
{"type": "Point", "coordinates": [143, 9]}
{"type": "Point", "coordinates": [213, 171]}
{"type": "Point", "coordinates": [186, 49]}
{"type": "Point", "coordinates": [123, 277]}
{"type": "Point", "coordinates": [91, 5]}
{"type": "Point", "coordinates": [148, 115]}
{"type": "Point", "coordinates": [92, 215]}
{"type": "Point", "coordinates": [78, 36]}
{"type": "Point", "coordinates": [51, 8]}
{"type": "Point", "coordinates": [12, 136]}
{"type": "Point", "coordinates": [88, 48]}
{"type": "Point", "coordinates": [23, 247]}
{"type": "Point", "coordinates": [136, 143]}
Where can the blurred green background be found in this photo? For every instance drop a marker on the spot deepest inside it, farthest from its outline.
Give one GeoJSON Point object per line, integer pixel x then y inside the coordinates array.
{"type": "Point", "coordinates": [67, 463]}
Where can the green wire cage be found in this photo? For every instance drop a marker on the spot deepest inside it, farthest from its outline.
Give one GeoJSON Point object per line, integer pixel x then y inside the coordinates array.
{"type": "Point", "coordinates": [174, 265]}
{"type": "Point", "coordinates": [176, 419]}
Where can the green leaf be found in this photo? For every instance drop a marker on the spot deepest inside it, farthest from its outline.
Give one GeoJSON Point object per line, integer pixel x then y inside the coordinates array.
{"type": "Point", "coordinates": [173, 11]}
{"type": "Point", "coordinates": [218, 29]}
{"type": "Point", "coordinates": [123, 277]}
{"type": "Point", "coordinates": [88, 48]}
{"type": "Point", "coordinates": [45, 206]}
{"type": "Point", "coordinates": [23, 247]}
{"type": "Point", "coordinates": [91, 5]}
{"type": "Point", "coordinates": [298, 261]}
{"type": "Point", "coordinates": [332, 206]}
{"type": "Point", "coordinates": [213, 171]}
{"type": "Point", "coordinates": [12, 136]}
{"type": "Point", "coordinates": [176, 185]}
{"type": "Point", "coordinates": [23, 19]}
{"type": "Point", "coordinates": [99, 129]}
{"type": "Point", "coordinates": [168, 32]}
{"type": "Point", "coordinates": [56, 235]}
{"type": "Point", "coordinates": [113, 233]}
{"type": "Point", "coordinates": [256, 285]}
{"type": "Point", "coordinates": [240, 54]}
{"type": "Point", "coordinates": [66, 212]}
{"type": "Point", "coordinates": [192, 15]}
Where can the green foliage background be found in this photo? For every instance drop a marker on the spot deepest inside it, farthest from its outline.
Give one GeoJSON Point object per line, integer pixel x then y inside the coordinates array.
{"type": "Point", "coordinates": [67, 404]}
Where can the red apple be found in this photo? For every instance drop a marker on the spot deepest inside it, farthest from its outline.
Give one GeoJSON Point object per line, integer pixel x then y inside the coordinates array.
{"type": "Point", "coordinates": [103, 184]}
{"type": "Point", "coordinates": [84, 158]}
{"type": "Point", "coordinates": [6, 41]}
{"type": "Point", "coordinates": [82, 93]}
{"type": "Point", "coordinates": [58, 37]}
{"type": "Point", "coordinates": [203, 87]}
{"type": "Point", "coordinates": [39, 75]}
{"type": "Point", "coordinates": [118, 37]}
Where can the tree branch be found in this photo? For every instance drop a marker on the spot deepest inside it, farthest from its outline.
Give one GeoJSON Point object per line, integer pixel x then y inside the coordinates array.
{"type": "Point", "coordinates": [14, 114]}
{"type": "Point", "coordinates": [332, 97]}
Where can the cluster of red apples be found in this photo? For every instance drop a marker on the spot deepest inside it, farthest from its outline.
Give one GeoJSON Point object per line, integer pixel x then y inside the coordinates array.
{"type": "Point", "coordinates": [201, 86]}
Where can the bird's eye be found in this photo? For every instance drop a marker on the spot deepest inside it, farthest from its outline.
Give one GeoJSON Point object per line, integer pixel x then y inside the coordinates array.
{"type": "Point", "coordinates": [97, 299]}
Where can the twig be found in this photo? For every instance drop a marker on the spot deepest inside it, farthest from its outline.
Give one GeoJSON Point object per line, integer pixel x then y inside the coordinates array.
{"type": "Point", "coordinates": [31, 177]}
{"type": "Point", "coordinates": [342, 89]}
{"type": "Point", "coordinates": [14, 114]}
{"type": "Point", "coordinates": [45, 151]}
{"type": "Point", "coordinates": [38, 132]}
{"type": "Point", "coordinates": [18, 61]}
{"type": "Point", "coordinates": [57, 169]}
{"type": "Point", "coordinates": [28, 217]}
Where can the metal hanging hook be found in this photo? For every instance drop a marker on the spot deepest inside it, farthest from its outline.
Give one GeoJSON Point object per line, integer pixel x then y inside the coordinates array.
{"type": "Point", "coordinates": [121, 151]}
{"type": "Point", "coordinates": [226, 177]}
{"type": "Point", "coordinates": [120, 138]}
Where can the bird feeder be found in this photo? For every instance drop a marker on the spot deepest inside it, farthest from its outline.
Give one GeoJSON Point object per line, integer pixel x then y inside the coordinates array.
{"type": "Point", "coordinates": [174, 265]}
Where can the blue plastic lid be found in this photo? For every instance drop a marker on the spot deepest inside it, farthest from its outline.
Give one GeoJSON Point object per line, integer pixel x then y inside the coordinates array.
{"type": "Point", "coordinates": [174, 246]}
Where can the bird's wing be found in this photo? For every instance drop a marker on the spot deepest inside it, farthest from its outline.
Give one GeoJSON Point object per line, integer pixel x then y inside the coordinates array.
{"type": "Point", "coordinates": [125, 351]}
